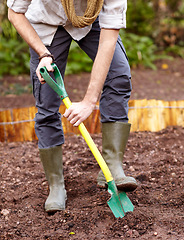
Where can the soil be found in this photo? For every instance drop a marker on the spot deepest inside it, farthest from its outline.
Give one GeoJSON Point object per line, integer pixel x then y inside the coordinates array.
{"type": "Point", "coordinates": [156, 160]}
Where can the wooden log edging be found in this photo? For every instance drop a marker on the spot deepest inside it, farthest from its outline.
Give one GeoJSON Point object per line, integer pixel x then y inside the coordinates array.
{"type": "Point", "coordinates": [155, 115]}
{"type": "Point", "coordinates": [144, 115]}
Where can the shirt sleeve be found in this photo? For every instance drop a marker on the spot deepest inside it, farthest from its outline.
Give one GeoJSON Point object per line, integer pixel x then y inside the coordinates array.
{"type": "Point", "coordinates": [113, 14]}
{"type": "Point", "coordinates": [19, 6]}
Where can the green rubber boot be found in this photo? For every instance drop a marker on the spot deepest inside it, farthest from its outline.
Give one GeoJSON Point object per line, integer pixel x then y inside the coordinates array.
{"type": "Point", "coordinates": [114, 140]}
{"type": "Point", "coordinates": [53, 166]}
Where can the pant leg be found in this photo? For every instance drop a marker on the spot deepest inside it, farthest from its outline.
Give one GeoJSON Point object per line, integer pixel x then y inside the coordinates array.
{"type": "Point", "coordinates": [117, 88]}
{"type": "Point", "coordinates": [48, 125]}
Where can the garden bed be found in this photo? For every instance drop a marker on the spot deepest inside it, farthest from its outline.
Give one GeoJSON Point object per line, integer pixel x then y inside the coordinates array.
{"type": "Point", "coordinates": [154, 159]}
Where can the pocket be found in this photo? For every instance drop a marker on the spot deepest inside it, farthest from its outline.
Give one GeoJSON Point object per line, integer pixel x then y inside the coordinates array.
{"type": "Point", "coordinates": [36, 87]}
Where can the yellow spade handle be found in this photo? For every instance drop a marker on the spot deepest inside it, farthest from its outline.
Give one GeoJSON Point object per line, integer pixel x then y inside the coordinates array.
{"type": "Point", "coordinates": [92, 146]}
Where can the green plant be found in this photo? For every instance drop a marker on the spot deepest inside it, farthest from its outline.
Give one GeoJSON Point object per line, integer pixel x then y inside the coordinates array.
{"type": "Point", "coordinates": [140, 17]}
{"type": "Point", "coordinates": [8, 30]}
{"type": "Point", "coordinates": [14, 57]}
{"type": "Point", "coordinates": [176, 50]}
{"type": "Point", "coordinates": [14, 52]}
{"type": "Point", "coordinates": [141, 50]}
{"type": "Point", "coordinates": [78, 61]}
{"type": "Point", "coordinates": [142, 39]}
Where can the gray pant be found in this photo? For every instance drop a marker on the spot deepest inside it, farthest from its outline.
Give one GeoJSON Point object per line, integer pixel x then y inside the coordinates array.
{"type": "Point", "coordinates": [115, 94]}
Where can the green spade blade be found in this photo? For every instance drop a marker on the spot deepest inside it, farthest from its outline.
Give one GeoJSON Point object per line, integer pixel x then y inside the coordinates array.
{"type": "Point", "coordinates": [119, 203]}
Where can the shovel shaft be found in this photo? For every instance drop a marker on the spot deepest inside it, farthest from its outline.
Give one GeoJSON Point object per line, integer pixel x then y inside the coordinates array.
{"type": "Point", "coordinates": [92, 146]}
{"type": "Point", "coordinates": [119, 203]}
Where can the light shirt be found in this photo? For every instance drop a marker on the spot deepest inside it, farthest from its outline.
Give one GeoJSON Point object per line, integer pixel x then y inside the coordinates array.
{"type": "Point", "coordinates": [45, 16]}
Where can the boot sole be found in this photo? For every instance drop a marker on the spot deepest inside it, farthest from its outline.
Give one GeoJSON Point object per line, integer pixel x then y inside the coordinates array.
{"type": "Point", "coordinates": [127, 187]}
{"type": "Point", "coordinates": [54, 209]}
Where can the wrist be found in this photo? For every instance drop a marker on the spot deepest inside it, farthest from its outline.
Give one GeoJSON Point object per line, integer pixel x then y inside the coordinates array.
{"type": "Point", "coordinates": [90, 102]}
{"type": "Point", "coordinates": [46, 54]}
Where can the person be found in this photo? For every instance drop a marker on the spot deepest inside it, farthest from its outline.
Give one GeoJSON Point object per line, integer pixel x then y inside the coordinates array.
{"type": "Point", "coordinates": [49, 27]}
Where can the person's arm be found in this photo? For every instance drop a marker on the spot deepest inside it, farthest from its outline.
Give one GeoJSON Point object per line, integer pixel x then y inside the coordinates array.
{"type": "Point", "coordinates": [28, 33]}
{"type": "Point", "coordinates": [78, 112]}
{"type": "Point", "coordinates": [111, 18]}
